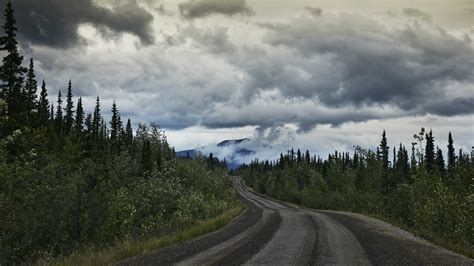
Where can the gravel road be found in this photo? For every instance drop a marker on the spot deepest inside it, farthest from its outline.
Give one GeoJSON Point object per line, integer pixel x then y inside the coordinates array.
{"type": "Point", "coordinates": [273, 233]}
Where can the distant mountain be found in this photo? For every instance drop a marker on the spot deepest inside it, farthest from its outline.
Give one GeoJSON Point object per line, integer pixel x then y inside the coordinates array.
{"type": "Point", "coordinates": [231, 142]}
{"type": "Point", "coordinates": [234, 151]}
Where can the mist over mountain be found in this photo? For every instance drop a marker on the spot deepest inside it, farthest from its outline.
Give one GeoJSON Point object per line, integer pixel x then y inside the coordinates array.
{"type": "Point", "coordinates": [234, 151]}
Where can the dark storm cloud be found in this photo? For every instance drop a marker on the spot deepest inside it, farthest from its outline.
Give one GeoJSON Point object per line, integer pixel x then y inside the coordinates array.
{"type": "Point", "coordinates": [416, 13]}
{"type": "Point", "coordinates": [202, 8]}
{"type": "Point", "coordinates": [55, 23]}
{"type": "Point", "coordinates": [367, 64]}
{"type": "Point", "coordinates": [452, 107]}
{"type": "Point", "coordinates": [267, 109]}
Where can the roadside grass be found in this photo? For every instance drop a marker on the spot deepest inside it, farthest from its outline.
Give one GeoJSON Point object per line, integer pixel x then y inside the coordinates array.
{"type": "Point", "coordinates": [129, 249]}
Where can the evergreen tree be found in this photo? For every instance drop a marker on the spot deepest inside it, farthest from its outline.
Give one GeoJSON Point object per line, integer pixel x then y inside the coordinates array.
{"type": "Point", "coordinates": [88, 124]}
{"type": "Point", "coordinates": [103, 132]}
{"type": "Point", "coordinates": [115, 124]}
{"type": "Point", "coordinates": [69, 112]}
{"type": "Point", "coordinates": [30, 89]}
{"type": "Point", "coordinates": [440, 162]}
{"type": "Point", "coordinates": [413, 157]}
{"type": "Point", "coordinates": [51, 113]}
{"type": "Point", "coordinates": [430, 152]}
{"type": "Point", "coordinates": [78, 124]}
{"type": "Point", "coordinates": [12, 73]}
{"type": "Point", "coordinates": [383, 151]}
{"type": "Point", "coordinates": [307, 158]}
{"type": "Point", "coordinates": [43, 106]}
{"type": "Point", "coordinates": [394, 157]}
{"type": "Point", "coordinates": [59, 114]}
{"type": "Point", "coordinates": [128, 133]}
{"type": "Point", "coordinates": [355, 160]}
{"type": "Point", "coordinates": [401, 166]}
{"type": "Point", "coordinates": [96, 120]}
{"type": "Point", "coordinates": [451, 152]}
{"type": "Point", "coordinates": [282, 161]}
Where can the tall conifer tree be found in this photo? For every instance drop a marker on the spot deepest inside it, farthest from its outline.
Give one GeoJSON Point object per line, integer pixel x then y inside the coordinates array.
{"type": "Point", "coordinates": [59, 114]}
{"type": "Point", "coordinates": [30, 89]}
{"type": "Point", "coordinates": [88, 124]}
{"type": "Point", "coordinates": [43, 106]}
{"type": "Point", "coordinates": [383, 151]}
{"type": "Point", "coordinates": [430, 152]}
{"type": "Point", "coordinates": [12, 73]}
{"type": "Point", "coordinates": [440, 161]}
{"type": "Point", "coordinates": [69, 112]}
{"type": "Point", "coordinates": [115, 124]}
{"type": "Point", "coordinates": [79, 121]}
{"type": "Point", "coordinates": [129, 132]}
{"type": "Point", "coordinates": [451, 152]}
{"type": "Point", "coordinates": [96, 120]}
{"type": "Point", "coordinates": [51, 113]}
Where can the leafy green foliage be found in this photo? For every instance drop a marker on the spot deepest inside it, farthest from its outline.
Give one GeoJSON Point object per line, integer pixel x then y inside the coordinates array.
{"type": "Point", "coordinates": [56, 200]}
{"type": "Point", "coordinates": [66, 187]}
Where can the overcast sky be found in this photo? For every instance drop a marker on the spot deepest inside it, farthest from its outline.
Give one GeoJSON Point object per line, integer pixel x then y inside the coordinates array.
{"type": "Point", "coordinates": [321, 75]}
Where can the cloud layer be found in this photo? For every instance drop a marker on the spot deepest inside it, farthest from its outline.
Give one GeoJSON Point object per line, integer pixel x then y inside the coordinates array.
{"type": "Point", "coordinates": [227, 65]}
{"type": "Point", "coordinates": [371, 65]}
{"type": "Point", "coordinates": [55, 23]}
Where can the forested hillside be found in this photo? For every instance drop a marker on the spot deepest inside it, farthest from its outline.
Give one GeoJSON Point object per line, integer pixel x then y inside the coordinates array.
{"type": "Point", "coordinates": [418, 189]}
{"type": "Point", "coordinates": [69, 179]}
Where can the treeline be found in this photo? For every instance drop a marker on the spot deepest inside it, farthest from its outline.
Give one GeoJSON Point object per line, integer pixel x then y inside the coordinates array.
{"type": "Point", "coordinates": [69, 179]}
{"type": "Point", "coordinates": [418, 189]}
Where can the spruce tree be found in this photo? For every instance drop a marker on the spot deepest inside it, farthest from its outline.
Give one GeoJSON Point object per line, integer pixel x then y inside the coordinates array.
{"type": "Point", "coordinates": [394, 157]}
{"type": "Point", "coordinates": [51, 113]}
{"type": "Point", "coordinates": [413, 157]}
{"type": "Point", "coordinates": [115, 124]}
{"type": "Point", "coordinates": [79, 121]}
{"type": "Point", "coordinates": [430, 152]}
{"type": "Point", "coordinates": [12, 73]}
{"type": "Point", "coordinates": [282, 161]}
{"type": "Point", "coordinates": [128, 133]}
{"type": "Point", "coordinates": [398, 166]}
{"type": "Point", "coordinates": [440, 161]}
{"type": "Point", "coordinates": [69, 112]}
{"type": "Point", "coordinates": [307, 158]}
{"type": "Point", "coordinates": [96, 120]}
{"type": "Point", "coordinates": [103, 134]}
{"type": "Point", "coordinates": [43, 106]}
{"type": "Point", "coordinates": [451, 152]}
{"type": "Point", "coordinates": [30, 89]}
{"type": "Point", "coordinates": [88, 124]}
{"type": "Point", "coordinates": [383, 151]}
{"type": "Point", "coordinates": [59, 114]}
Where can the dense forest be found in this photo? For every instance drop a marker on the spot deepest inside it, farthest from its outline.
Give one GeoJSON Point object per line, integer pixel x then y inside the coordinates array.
{"type": "Point", "coordinates": [418, 189]}
{"type": "Point", "coordinates": [71, 180]}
